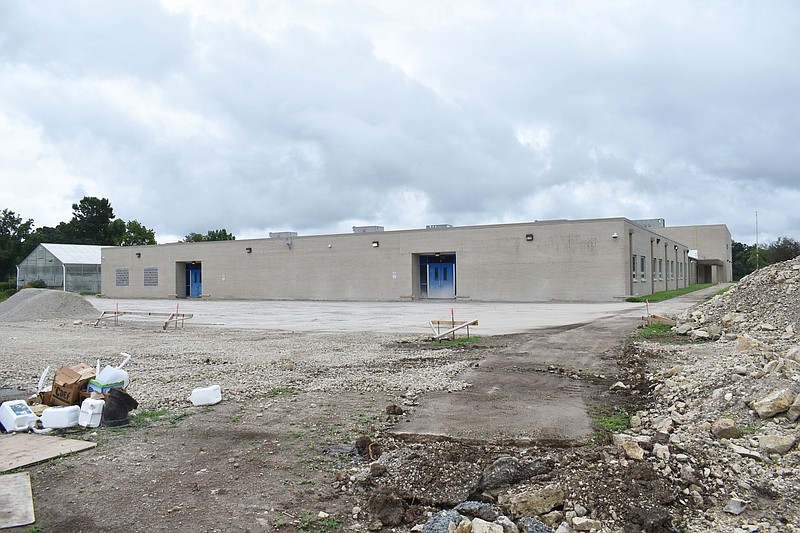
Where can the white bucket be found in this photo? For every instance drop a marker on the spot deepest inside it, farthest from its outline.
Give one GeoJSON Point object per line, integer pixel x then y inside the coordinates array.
{"type": "Point", "coordinates": [15, 415]}
{"type": "Point", "coordinates": [62, 416]}
{"type": "Point", "coordinates": [91, 413]}
{"type": "Point", "coordinates": [206, 395]}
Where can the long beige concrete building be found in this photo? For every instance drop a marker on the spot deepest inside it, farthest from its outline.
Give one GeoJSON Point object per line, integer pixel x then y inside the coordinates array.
{"type": "Point", "coordinates": [555, 260]}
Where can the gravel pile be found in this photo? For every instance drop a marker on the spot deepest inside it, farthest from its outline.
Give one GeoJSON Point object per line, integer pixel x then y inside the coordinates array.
{"type": "Point", "coordinates": [46, 304]}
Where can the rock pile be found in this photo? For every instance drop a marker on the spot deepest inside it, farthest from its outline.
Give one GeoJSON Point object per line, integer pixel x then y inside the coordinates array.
{"type": "Point", "coordinates": [723, 422]}
{"type": "Point", "coordinates": [46, 304]}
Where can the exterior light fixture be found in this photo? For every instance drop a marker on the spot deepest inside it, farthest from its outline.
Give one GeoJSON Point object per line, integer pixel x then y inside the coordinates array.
{"type": "Point", "coordinates": [138, 254]}
{"type": "Point", "coordinates": [614, 235]}
{"type": "Point", "coordinates": [248, 250]}
{"type": "Point", "coordinates": [676, 246]}
{"type": "Point", "coordinates": [529, 236]}
{"type": "Point", "coordinates": [375, 244]}
{"type": "Point", "coordinates": [658, 241]}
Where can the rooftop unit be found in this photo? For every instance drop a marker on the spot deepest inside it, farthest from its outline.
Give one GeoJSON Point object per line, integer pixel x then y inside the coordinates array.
{"type": "Point", "coordinates": [367, 229]}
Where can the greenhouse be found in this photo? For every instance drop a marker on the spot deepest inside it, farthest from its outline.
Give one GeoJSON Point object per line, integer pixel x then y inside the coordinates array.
{"type": "Point", "coordinates": [71, 267]}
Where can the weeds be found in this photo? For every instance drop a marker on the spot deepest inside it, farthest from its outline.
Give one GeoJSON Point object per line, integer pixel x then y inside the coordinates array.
{"type": "Point", "coordinates": [282, 391]}
{"type": "Point", "coordinates": [308, 523]}
{"type": "Point", "coordinates": [610, 420]}
{"type": "Point", "coordinates": [143, 419]}
{"type": "Point", "coordinates": [666, 295]}
{"type": "Point", "coordinates": [459, 341]}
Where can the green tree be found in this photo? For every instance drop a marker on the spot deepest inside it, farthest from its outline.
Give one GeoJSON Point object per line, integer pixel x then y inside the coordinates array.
{"type": "Point", "coordinates": [211, 235]}
{"type": "Point", "coordinates": [137, 234]}
{"type": "Point", "coordinates": [783, 249]}
{"type": "Point", "coordinates": [92, 222]}
{"type": "Point", "coordinates": [13, 233]}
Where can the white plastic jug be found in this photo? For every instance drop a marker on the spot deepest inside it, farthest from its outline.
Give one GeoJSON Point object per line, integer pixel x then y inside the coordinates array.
{"type": "Point", "coordinates": [91, 413]}
{"type": "Point", "coordinates": [113, 375]}
{"type": "Point", "coordinates": [61, 416]}
{"type": "Point", "coordinates": [206, 395]}
{"type": "Point", "coordinates": [15, 415]}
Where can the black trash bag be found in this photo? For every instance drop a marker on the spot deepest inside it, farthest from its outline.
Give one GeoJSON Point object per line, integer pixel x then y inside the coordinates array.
{"type": "Point", "coordinates": [118, 405]}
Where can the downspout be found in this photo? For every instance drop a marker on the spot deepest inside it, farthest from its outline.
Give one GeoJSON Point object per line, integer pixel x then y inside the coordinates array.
{"type": "Point", "coordinates": [17, 267]}
{"type": "Point", "coordinates": [630, 261]}
{"type": "Point", "coordinates": [64, 278]}
{"type": "Point", "coordinates": [652, 268]}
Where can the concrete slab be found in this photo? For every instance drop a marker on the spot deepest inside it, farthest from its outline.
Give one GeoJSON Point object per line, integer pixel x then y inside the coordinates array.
{"type": "Point", "coordinates": [387, 317]}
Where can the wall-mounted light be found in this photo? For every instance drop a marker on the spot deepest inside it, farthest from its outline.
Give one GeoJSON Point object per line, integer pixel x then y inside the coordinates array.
{"type": "Point", "coordinates": [248, 250]}
{"type": "Point", "coordinates": [375, 244]}
{"type": "Point", "coordinates": [676, 246]}
{"type": "Point", "coordinates": [658, 241]}
{"type": "Point", "coordinates": [436, 254]}
{"type": "Point", "coordinates": [529, 237]}
{"type": "Point", "coordinates": [138, 254]}
{"type": "Point", "coordinates": [615, 235]}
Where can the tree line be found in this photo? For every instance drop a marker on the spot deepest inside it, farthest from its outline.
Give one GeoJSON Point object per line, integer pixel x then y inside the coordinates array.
{"type": "Point", "coordinates": [748, 258]}
{"type": "Point", "coordinates": [93, 222]}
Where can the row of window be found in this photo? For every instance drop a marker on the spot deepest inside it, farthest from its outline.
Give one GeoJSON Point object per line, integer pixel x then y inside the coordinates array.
{"type": "Point", "coordinates": [123, 277]}
{"type": "Point", "coordinates": [639, 266]}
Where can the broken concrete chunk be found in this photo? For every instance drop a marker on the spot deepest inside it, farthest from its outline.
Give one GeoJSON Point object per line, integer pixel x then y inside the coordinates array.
{"type": "Point", "coordinates": [779, 444]}
{"type": "Point", "coordinates": [735, 506]}
{"type": "Point", "coordinates": [725, 428]}
{"type": "Point", "coordinates": [534, 502]}
{"type": "Point", "coordinates": [774, 403]}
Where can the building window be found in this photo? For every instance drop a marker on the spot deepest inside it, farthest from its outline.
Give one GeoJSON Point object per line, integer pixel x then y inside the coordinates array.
{"type": "Point", "coordinates": [123, 277]}
{"type": "Point", "coordinates": [660, 269]}
{"type": "Point", "coordinates": [672, 270]}
{"type": "Point", "coordinates": [634, 264]}
{"type": "Point", "coordinates": [655, 273]}
{"type": "Point", "coordinates": [151, 277]}
{"type": "Point", "coordinates": [643, 268]}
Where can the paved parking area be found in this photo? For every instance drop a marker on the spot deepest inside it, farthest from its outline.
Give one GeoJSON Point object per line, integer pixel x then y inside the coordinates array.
{"type": "Point", "coordinates": [395, 317]}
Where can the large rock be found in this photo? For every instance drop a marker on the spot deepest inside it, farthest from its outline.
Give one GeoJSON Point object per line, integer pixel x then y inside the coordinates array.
{"type": "Point", "coordinates": [774, 403]}
{"type": "Point", "coordinates": [387, 507]}
{"type": "Point", "coordinates": [482, 526]}
{"type": "Point", "coordinates": [532, 525]}
{"type": "Point", "coordinates": [580, 523]}
{"type": "Point", "coordinates": [534, 502]}
{"type": "Point", "coordinates": [725, 428]}
{"type": "Point", "coordinates": [633, 450]}
{"type": "Point", "coordinates": [780, 444]}
{"type": "Point", "coordinates": [509, 471]}
{"type": "Point", "coordinates": [441, 522]}
{"type": "Point", "coordinates": [794, 411]}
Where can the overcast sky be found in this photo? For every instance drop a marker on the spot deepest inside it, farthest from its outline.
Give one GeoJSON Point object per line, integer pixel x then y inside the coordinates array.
{"type": "Point", "coordinates": [317, 116]}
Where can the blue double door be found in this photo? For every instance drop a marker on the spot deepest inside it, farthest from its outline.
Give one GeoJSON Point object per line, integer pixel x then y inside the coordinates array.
{"type": "Point", "coordinates": [194, 280]}
{"type": "Point", "coordinates": [437, 275]}
{"type": "Point", "coordinates": [441, 280]}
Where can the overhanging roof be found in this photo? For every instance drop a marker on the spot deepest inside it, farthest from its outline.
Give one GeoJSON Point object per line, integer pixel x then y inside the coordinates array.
{"type": "Point", "coordinates": [75, 254]}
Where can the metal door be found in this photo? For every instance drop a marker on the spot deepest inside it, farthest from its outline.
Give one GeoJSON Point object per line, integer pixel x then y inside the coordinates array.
{"type": "Point", "coordinates": [195, 281]}
{"type": "Point", "coordinates": [441, 280]}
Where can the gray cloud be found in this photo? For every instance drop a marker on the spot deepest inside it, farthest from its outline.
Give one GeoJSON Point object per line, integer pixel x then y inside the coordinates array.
{"type": "Point", "coordinates": [296, 116]}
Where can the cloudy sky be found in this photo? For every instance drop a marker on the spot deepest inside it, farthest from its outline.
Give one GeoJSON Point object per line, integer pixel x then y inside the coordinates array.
{"type": "Point", "coordinates": [314, 116]}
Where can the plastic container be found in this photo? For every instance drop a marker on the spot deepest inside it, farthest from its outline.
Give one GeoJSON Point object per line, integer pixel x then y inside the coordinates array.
{"type": "Point", "coordinates": [111, 377]}
{"type": "Point", "coordinates": [206, 395]}
{"type": "Point", "coordinates": [15, 415]}
{"type": "Point", "coordinates": [61, 416]}
{"type": "Point", "coordinates": [91, 413]}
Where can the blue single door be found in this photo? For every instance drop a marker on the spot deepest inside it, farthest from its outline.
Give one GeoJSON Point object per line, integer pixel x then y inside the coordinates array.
{"type": "Point", "coordinates": [441, 280]}
{"type": "Point", "coordinates": [195, 281]}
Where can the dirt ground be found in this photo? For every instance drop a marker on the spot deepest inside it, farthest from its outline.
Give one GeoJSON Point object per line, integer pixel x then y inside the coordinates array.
{"type": "Point", "coordinates": [291, 459]}
{"type": "Point", "coordinates": [273, 463]}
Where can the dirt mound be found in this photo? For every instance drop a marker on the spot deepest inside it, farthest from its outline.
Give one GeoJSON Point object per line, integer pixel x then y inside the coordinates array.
{"type": "Point", "coordinates": [46, 304]}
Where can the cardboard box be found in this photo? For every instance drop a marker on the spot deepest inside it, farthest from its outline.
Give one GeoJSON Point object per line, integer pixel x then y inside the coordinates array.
{"type": "Point", "coordinates": [68, 383]}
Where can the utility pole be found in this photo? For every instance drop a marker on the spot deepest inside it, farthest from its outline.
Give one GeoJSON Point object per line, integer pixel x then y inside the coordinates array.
{"type": "Point", "coordinates": [756, 240]}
